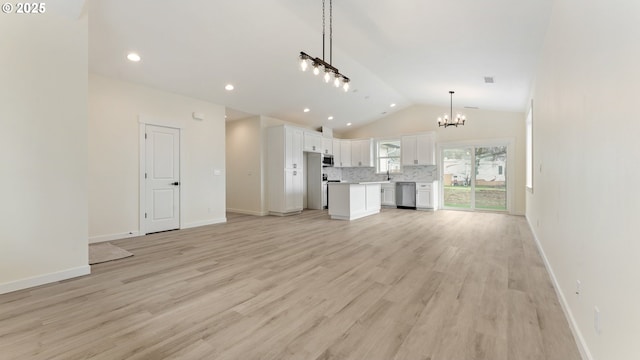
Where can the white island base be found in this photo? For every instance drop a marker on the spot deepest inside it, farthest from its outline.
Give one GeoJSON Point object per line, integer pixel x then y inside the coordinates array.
{"type": "Point", "coordinates": [350, 201]}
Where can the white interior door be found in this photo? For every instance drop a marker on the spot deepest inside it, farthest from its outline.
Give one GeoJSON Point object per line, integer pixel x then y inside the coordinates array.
{"type": "Point", "coordinates": [162, 178]}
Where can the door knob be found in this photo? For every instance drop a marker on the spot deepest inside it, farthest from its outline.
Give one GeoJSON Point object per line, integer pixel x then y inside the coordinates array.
{"type": "Point", "coordinates": [175, 183]}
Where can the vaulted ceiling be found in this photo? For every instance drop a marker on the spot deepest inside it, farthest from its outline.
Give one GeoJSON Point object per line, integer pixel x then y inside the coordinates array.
{"type": "Point", "coordinates": [400, 52]}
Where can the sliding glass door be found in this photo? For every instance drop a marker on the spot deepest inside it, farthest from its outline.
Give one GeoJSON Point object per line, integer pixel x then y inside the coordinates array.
{"type": "Point", "coordinates": [456, 166]}
{"type": "Point", "coordinates": [474, 177]}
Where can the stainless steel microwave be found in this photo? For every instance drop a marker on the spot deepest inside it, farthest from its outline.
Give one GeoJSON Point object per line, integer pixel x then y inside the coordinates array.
{"type": "Point", "coordinates": [327, 160]}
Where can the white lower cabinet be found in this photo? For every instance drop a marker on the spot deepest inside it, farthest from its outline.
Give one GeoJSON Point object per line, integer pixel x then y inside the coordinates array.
{"type": "Point", "coordinates": [425, 196]}
{"type": "Point", "coordinates": [388, 195]}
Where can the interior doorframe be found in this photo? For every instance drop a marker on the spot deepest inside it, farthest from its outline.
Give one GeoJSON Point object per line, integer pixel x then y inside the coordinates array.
{"type": "Point", "coordinates": [508, 142]}
{"type": "Point", "coordinates": [143, 121]}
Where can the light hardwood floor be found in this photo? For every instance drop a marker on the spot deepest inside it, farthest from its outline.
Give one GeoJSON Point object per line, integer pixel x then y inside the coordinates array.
{"type": "Point", "coordinates": [399, 285]}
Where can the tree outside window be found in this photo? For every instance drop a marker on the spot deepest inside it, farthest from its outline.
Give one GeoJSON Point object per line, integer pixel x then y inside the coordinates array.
{"type": "Point", "coordinates": [388, 156]}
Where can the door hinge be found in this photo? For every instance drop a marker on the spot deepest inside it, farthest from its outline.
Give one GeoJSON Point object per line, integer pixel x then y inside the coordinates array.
{"type": "Point", "coordinates": [145, 215]}
{"type": "Point", "coordinates": [145, 175]}
{"type": "Point", "coordinates": [145, 135]}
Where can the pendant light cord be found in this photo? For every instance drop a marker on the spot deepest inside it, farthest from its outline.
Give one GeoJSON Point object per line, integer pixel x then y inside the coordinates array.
{"type": "Point", "coordinates": [323, 29]}
{"type": "Point", "coordinates": [331, 32]}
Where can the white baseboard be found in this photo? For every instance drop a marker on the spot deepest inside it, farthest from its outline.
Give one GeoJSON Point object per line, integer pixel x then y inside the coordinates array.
{"type": "Point", "coordinates": [573, 325]}
{"type": "Point", "coordinates": [248, 212]}
{"type": "Point", "coordinates": [44, 279]}
{"type": "Point", "coordinates": [103, 238]}
{"type": "Point", "coordinates": [204, 223]}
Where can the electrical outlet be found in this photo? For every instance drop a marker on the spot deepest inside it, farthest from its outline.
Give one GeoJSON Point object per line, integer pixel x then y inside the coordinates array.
{"type": "Point", "coordinates": [597, 326]}
{"type": "Point", "coordinates": [578, 289]}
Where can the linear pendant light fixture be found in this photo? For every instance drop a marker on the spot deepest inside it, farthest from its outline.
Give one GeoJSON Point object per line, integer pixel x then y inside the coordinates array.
{"type": "Point", "coordinates": [330, 72]}
{"type": "Point", "coordinates": [459, 120]}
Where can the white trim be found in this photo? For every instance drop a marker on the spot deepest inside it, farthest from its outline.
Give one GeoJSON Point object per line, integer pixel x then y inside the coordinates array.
{"type": "Point", "coordinates": [204, 223]}
{"type": "Point", "coordinates": [44, 279]}
{"type": "Point", "coordinates": [573, 325]}
{"type": "Point", "coordinates": [248, 212]}
{"type": "Point", "coordinates": [145, 120]}
{"type": "Point", "coordinates": [103, 238]}
{"type": "Point", "coordinates": [356, 216]}
{"type": "Point", "coordinates": [152, 120]}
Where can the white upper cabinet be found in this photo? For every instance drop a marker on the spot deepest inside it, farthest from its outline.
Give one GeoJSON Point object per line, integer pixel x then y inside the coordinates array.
{"type": "Point", "coordinates": [327, 146]}
{"type": "Point", "coordinates": [418, 149]}
{"type": "Point", "coordinates": [337, 158]}
{"type": "Point", "coordinates": [345, 153]}
{"type": "Point", "coordinates": [362, 153]}
{"type": "Point", "coordinates": [312, 142]}
{"type": "Point", "coordinates": [293, 148]}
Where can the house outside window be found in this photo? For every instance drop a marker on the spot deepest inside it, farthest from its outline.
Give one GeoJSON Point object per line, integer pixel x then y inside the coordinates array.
{"type": "Point", "coordinates": [388, 156]}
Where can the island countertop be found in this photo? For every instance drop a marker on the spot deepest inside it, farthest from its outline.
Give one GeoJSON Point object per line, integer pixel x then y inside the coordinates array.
{"type": "Point", "coordinates": [358, 182]}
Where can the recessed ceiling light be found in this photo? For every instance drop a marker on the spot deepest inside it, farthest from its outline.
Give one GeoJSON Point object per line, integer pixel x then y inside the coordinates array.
{"type": "Point", "coordinates": [133, 57]}
{"type": "Point", "coordinates": [488, 80]}
{"type": "Point", "coordinates": [330, 118]}
{"type": "Point", "coordinates": [229, 87]}
{"type": "Point", "coordinates": [393, 105]}
{"type": "Point", "coordinates": [348, 124]}
{"type": "Point", "coordinates": [306, 110]}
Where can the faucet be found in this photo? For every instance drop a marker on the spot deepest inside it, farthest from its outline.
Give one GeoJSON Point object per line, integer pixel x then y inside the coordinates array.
{"type": "Point", "coordinates": [388, 177]}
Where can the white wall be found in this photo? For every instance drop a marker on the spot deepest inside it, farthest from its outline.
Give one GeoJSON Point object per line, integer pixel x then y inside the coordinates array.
{"type": "Point", "coordinates": [244, 166]}
{"type": "Point", "coordinates": [114, 110]}
{"type": "Point", "coordinates": [43, 149]}
{"type": "Point", "coordinates": [585, 199]}
{"type": "Point", "coordinates": [482, 125]}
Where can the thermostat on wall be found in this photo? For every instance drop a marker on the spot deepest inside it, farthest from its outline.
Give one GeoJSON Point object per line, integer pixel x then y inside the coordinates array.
{"type": "Point", "coordinates": [198, 116]}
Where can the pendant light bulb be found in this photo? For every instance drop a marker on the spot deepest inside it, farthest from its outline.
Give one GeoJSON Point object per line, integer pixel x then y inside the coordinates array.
{"type": "Point", "coordinates": [316, 69]}
{"type": "Point", "coordinates": [346, 86]}
{"type": "Point", "coordinates": [304, 64]}
{"type": "Point", "coordinates": [327, 77]}
{"type": "Point", "coordinates": [336, 81]}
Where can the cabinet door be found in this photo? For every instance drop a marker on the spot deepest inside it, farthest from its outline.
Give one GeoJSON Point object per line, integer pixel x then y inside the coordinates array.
{"type": "Point", "coordinates": [337, 158]}
{"type": "Point", "coordinates": [327, 146]}
{"type": "Point", "coordinates": [293, 189]}
{"type": "Point", "coordinates": [345, 153]}
{"type": "Point", "coordinates": [388, 195]}
{"type": "Point", "coordinates": [409, 148]}
{"type": "Point", "coordinates": [356, 153]}
{"type": "Point", "coordinates": [312, 142]}
{"type": "Point", "coordinates": [366, 153]}
{"type": "Point", "coordinates": [425, 149]}
{"type": "Point", "coordinates": [296, 149]}
{"type": "Point", "coordinates": [424, 198]}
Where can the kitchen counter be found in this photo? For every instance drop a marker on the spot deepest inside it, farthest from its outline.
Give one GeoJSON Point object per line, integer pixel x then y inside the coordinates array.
{"type": "Point", "coordinates": [354, 200]}
{"type": "Point", "coordinates": [364, 182]}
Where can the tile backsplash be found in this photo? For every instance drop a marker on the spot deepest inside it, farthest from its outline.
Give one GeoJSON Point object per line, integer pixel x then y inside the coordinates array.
{"type": "Point", "coordinates": [409, 173]}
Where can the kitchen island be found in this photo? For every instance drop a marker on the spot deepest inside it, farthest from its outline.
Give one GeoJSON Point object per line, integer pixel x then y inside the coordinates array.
{"type": "Point", "coordinates": [354, 200]}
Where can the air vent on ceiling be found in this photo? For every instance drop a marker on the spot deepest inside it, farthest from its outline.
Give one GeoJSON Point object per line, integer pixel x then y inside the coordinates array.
{"type": "Point", "coordinates": [488, 80]}
{"type": "Point", "coordinates": [471, 107]}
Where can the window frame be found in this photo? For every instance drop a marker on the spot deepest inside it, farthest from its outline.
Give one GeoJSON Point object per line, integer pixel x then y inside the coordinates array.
{"type": "Point", "coordinates": [378, 157]}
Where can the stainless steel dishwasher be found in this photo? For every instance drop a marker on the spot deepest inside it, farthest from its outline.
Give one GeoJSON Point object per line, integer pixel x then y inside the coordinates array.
{"type": "Point", "coordinates": [406, 195]}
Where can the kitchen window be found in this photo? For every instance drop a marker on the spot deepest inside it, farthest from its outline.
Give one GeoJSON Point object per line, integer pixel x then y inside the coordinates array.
{"type": "Point", "coordinates": [388, 156]}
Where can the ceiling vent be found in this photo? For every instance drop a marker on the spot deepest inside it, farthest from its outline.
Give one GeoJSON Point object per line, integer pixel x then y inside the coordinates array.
{"type": "Point", "coordinates": [488, 79]}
